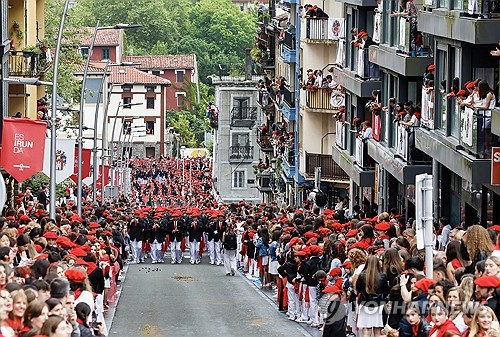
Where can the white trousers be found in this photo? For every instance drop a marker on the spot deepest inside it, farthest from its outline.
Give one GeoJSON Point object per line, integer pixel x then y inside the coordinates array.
{"type": "Point", "coordinates": [175, 249]}
{"type": "Point", "coordinates": [293, 300]}
{"type": "Point", "coordinates": [214, 248]}
{"type": "Point", "coordinates": [194, 251]}
{"type": "Point", "coordinates": [230, 260]}
{"type": "Point", "coordinates": [303, 303]}
{"type": "Point", "coordinates": [313, 305]}
{"type": "Point", "coordinates": [136, 247]}
{"type": "Point", "coordinates": [156, 253]}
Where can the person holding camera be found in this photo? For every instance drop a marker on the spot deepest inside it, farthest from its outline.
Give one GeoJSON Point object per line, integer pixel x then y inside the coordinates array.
{"type": "Point", "coordinates": [82, 313]}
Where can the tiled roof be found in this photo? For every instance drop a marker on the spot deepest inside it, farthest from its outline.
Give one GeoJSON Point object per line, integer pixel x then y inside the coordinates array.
{"type": "Point", "coordinates": [163, 61]}
{"type": "Point", "coordinates": [128, 74]}
{"type": "Point", "coordinates": [105, 37]}
{"type": "Point", "coordinates": [94, 67]}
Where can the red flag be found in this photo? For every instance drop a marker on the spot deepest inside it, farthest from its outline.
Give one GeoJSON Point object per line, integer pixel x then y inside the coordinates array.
{"type": "Point", "coordinates": [106, 176]}
{"type": "Point", "coordinates": [23, 146]}
{"type": "Point", "coordinates": [86, 153]}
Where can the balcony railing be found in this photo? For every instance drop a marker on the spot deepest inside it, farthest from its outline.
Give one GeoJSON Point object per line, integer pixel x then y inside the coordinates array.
{"type": "Point", "coordinates": [264, 182]}
{"type": "Point", "coordinates": [289, 156]}
{"type": "Point", "coordinates": [241, 153]}
{"type": "Point", "coordinates": [289, 97]}
{"type": "Point", "coordinates": [324, 29]}
{"type": "Point", "coordinates": [427, 111]}
{"type": "Point", "coordinates": [474, 137]}
{"type": "Point", "coordinates": [289, 40]}
{"type": "Point", "coordinates": [324, 99]}
{"type": "Point", "coordinates": [361, 157]}
{"type": "Point", "coordinates": [243, 116]}
{"type": "Point", "coordinates": [329, 169]}
{"type": "Point", "coordinates": [26, 63]}
{"type": "Point", "coordinates": [264, 141]}
{"type": "Point", "coordinates": [402, 142]}
{"type": "Point", "coordinates": [340, 138]}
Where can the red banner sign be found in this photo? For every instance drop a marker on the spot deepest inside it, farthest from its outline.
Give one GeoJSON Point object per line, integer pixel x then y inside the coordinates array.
{"type": "Point", "coordinates": [86, 153]}
{"type": "Point", "coordinates": [376, 126]}
{"type": "Point", "coordinates": [495, 165]}
{"type": "Point", "coordinates": [106, 176]}
{"type": "Point", "coordinates": [23, 146]}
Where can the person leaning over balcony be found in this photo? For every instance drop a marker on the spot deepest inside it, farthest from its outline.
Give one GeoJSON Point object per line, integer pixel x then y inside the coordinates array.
{"type": "Point", "coordinates": [411, 121]}
{"type": "Point", "coordinates": [484, 104]}
{"type": "Point", "coordinates": [410, 12]}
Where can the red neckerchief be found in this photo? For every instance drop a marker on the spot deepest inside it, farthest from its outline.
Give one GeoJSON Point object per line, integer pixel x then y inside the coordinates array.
{"type": "Point", "coordinates": [414, 329]}
{"type": "Point", "coordinates": [91, 267]}
{"type": "Point", "coordinates": [16, 324]}
{"type": "Point", "coordinates": [79, 321]}
{"type": "Point", "coordinates": [77, 292]}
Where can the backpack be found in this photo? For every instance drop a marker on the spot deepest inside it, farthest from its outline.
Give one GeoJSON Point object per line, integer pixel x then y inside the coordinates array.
{"type": "Point", "coordinates": [230, 243]}
{"type": "Point", "coordinates": [321, 199]}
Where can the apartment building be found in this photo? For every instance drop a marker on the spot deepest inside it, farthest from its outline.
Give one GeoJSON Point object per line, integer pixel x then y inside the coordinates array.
{"type": "Point", "coordinates": [235, 154]}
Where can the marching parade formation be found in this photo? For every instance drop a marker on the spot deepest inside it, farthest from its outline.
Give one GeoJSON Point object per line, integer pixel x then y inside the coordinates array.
{"type": "Point", "coordinates": [346, 274]}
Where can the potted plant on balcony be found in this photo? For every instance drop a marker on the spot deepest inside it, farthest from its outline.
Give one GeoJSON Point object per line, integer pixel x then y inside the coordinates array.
{"type": "Point", "coordinates": [15, 31]}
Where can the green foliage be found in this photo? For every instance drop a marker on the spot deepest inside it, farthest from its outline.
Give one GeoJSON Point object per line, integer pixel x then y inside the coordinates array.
{"type": "Point", "coordinates": [36, 182]}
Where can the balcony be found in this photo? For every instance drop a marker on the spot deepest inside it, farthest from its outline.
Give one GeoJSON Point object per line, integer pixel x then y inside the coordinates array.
{"type": "Point", "coordinates": [456, 25]}
{"type": "Point", "coordinates": [289, 110]}
{"type": "Point", "coordinates": [243, 117]}
{"type": "Point", "coordinates": [241, 154]}
{"type": "Point", "coordinates": [289, 162]}
{"type": "Point", "coordinates": [288, 52]}
{"type": "Point", "coordinates": [353, 83]}
{"type": "Point", "coordinates": [473, 136]}
{"type": "Point", "coordinates": [264, 141]}
{"type": "Point", "coordinates": [322, 99]}
{"type": "Point", "coordinates": [448, 151]}
{"type": "Point", "coordinates": [329, 169]}
{"type": "Point", "coordinates": [323, 30]}
{"type": "Point", "coordinates": [361, 3]}
{"type": "Point", "coordinates": [363, 178]}
{"type": "Point", "coordinates": [27, 63]}
{"type": "Point", "coordinates": [391, 58]}
{"type": "Point", "coordinates": [264, 182]}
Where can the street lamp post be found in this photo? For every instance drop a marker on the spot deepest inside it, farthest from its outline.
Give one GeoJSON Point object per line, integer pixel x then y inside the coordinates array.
{"type": "Point", "coordinates": [82, 101]}
{"type": "Point", "coordinates": [53, 141]}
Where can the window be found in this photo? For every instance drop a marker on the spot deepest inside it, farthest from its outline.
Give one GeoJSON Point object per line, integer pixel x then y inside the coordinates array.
{"type": "Point", "coordinates": [180, 98]}
{"type": "Point", "coordinates": [179, 76]}
{"type": "Point", "coordinates": [127, 127]}
{"type": "Point", "coordinates": [150, 103]}
{"type": "Point", "coordinates": [150, 128]}
{"type": "Point", "coordinates": [126, 101]}
{"type": "Point", "coordinates": [150, 152]}
{"type": "Point", "coordinates": [156, 72]}
{"type": "Point", "coordinates": [85, 52]}
{"type": "Point", "coordinates": [241, 107]}
{"type": "Point", "coordinates": [105, 54]}
{"type": "Point", "coordinates": [92, 89]}
{"type": "Point", "coordinates": [127, 88]}
{"type": "Point", "coordinates": [240, 139]}
{"type": "Point", "coordinates": [440, 99]}
{"type": "Point", "coordinates": [150, 88]}
{"type": "Point", "coordinates": [239, 179]}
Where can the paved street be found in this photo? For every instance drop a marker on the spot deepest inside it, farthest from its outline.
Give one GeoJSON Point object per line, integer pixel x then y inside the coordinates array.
{"type": "Point", "coordinates": [161, 300]}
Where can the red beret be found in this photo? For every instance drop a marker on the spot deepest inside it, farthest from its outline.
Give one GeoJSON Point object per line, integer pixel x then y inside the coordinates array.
{"type": "Point", "coordinates": [461, 92]}
{"type": "Point", "coordinates": [325, 231]}
{"type": "Point", "coordinates": [495, 228]}
{"type": "Point", "coordinates": [38, 248]}
{"type": "Point", "coordinates": [383, 226]}
{"type": "Point", "coordinates": [75, 275]}
{"type": "Point", "coordinates": [488, 282]}
{"type": "Point", "coordinates": [81, 262]}
{"type": "Point", "coordinates": [94, 225]}
{"type": "Point", "coordinates": [361, 34]}
{"type": "Point", "coordinates": [470, 85]}
{"type": "Point", "coordinates": [311, 234]}
{"type": "Point", "coordinates": [300, 253]}
{"type": "Point", "coordinates": [50, 235]}
{"type": "Point", "coordinates": [431, 67]}
{"type": "Point", "coordinates": [78, 252]}
{"type": "Point", "coordinates": [294, 241]}
{"type": "Point", "coordinates": [335, 272]}
{"type": "Point", "coordinates": [315, 250]}
{"type": "Point", "coordinates": [332, 289]}
{"type": "Point", "coordinates": [352, 233]}
{"type": "Point", "coordinates": [424, 284]}
{"type": "Point", "coordinates": [346, 264]}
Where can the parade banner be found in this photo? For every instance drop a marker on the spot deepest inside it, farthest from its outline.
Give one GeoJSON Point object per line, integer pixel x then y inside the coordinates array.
{"type": "Point", "coordinates": [23, 145]}
{"type": "Point", "coordinates": [495, 165]}
{"type": "Point", "coordinates": [377, 20]}
{"type": "Point", "coordinates": [106, 176]}
{"type": "Point", "coordinates": [339, 60]}
{"type": "Point", "coordinates": [65, 158]}
{"type": "Point", "coordinates": [86, 153]}
{"type": "Point", "coordinates": [336, 28]}
{"type": "Point", "coordinates": [467, 126]}
{"type": "Point", "coordinates": [339, 137]}
{"type": "Point", "coordinates": [402, 142]}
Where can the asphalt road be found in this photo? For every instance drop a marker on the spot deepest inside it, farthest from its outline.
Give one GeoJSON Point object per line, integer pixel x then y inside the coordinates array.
{"type": "Point", "coordinates": [160, 300]}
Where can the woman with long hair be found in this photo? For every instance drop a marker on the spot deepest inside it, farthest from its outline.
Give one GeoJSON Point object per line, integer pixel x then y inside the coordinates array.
{"type": "Point", "coordinates": [36, 314]}
{"type": "Point", "coordinates": [83, 312]}
{"type": "Point", "coordinates": [372, 287]}
{"type": "Point", "coordinates": [357, 257]}
{"type": "Point", "coordinates": [262, 247]}
{"type": "Point", "coordinates": [455, 299]}
{"type": "Point", "coordinates": [392, 265]}
{"type": "Point", "coordinates": [19, 304]}
{"type": "Point", "coordinates": [366, 235]}
{"type": "Point", "coordinates": [476, 246]}
{"type": "Point", "coordinates": [492, 266]}
{"type": "Point", "coordinates": [56, 326]}
{"type": "Point", "coordinates": [482, 321]}
{"type": "Point", "coordinates": [440, 317]}
{"type": "Point", "coordinates": [454, 260]}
